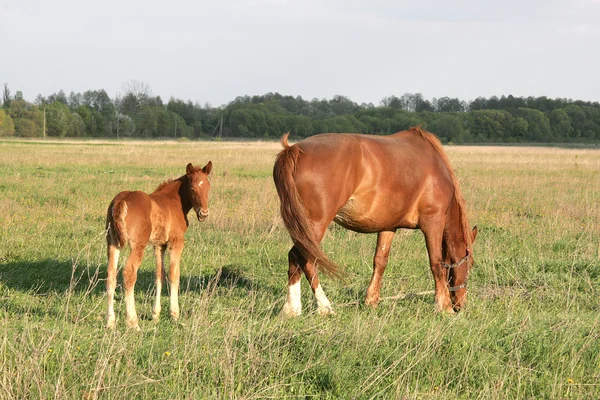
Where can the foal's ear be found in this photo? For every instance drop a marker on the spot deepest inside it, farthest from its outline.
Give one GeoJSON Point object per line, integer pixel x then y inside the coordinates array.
{"type": "Point", "coordinates": [207, 168]}
{"type": "Point", "coordinates": [189, 169]}
{"type": "Point", "coordinates": [474, 233]}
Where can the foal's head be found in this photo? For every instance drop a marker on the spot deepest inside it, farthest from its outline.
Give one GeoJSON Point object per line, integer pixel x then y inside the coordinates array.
{"type": "Point", "coordinates": [199, 186]}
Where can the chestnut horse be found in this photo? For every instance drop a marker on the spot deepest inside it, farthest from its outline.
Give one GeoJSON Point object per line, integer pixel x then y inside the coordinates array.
{"type": "Point", "coordinates": [159, 219]}
{"type": "Point", "coordinates": [371, 184]}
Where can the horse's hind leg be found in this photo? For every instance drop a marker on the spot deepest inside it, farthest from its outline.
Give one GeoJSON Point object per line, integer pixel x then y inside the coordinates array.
{"type": "Point", "coordinates": [293, 304]}
{"type": "Point", "coordinates": [129, 277]}
{"type": "Point", "coordinates": [159, 253]}
{"type": "Point", "coordinates": [323, 304]}
{"type": "Point", "coordinates": [111, 283]}
{"type": "Point", "coordinates": [382, 252]}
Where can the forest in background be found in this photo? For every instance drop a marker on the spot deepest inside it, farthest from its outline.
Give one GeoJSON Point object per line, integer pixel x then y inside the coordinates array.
{"type": "Point", "coordinates": [137, 113]}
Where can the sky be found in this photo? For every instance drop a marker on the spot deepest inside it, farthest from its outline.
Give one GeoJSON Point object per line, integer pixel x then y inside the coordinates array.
{"type": "Point", "coordinates": [210, 52]}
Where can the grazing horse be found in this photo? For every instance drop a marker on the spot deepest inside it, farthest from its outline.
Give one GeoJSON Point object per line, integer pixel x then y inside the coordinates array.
{"type": "Point", "coordinates": [370, 184]}
{"type": "Point", "coordinates": [159, 219]}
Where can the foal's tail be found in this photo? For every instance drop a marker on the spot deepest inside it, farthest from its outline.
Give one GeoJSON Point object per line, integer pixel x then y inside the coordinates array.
{"type": "Point", "coordinates": [293, 211]}
{"type": "Point", "coordinates": [116, 233]}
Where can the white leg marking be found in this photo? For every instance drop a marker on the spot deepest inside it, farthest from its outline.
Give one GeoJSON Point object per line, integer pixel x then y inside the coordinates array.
{"type": "Point", "coordinates": [110, 290]}
{"type": "Point", "coordinates": [293, 303]}
{"type": "Point", "coordinates": [156, 309]}
{"type": "Point", "coordinates": [323, 304]}
{"type": "Point", "coordinates": [110, 316]}
{"type": "Point", "coordinates": [132, 319]}
{"type": "Point", "coordinates": [174, 300]}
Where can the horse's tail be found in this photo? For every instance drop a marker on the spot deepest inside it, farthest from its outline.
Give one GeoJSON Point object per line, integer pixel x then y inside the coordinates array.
{"type": "Point", "coordinates": [116, 229]}
{"type": "Point", "coordinates": [293, 211]}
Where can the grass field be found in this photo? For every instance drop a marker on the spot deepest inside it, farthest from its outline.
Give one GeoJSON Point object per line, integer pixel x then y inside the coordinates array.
{"type": "Point", "coordinates": [531, 329]}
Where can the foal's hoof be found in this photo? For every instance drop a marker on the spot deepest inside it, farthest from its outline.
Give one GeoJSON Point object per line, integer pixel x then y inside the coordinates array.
{"type": "Point", "coordinates": [111, 324]}
{"type": "Point", "coordinates": [133, 325]}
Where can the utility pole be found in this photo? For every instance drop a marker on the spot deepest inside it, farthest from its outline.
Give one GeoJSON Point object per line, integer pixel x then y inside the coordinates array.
{"type": "Point", "coordinates": [44, 131]}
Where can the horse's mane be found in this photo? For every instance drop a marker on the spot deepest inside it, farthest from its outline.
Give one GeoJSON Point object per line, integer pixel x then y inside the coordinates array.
{"type": "Point", "coordinates": [458, 197]}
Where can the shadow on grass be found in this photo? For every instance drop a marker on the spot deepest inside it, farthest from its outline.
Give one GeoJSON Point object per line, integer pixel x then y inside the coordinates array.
{"type": "Point", "coordinates": [58, 276]}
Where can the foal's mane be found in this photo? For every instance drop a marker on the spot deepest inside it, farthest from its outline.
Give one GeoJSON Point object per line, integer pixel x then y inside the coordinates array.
{"type": "Point", "coordinates": [458, 197]}
{"type": "Point", "coordinates": [166, 183]}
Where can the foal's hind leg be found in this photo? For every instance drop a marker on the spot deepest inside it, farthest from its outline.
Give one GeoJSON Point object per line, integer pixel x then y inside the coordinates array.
{"type": "Point", "coordinates": [382, 253]}
{"type": "Point", "coordinates": [129, 277]}
{"type": "Point", "coordinates": [175, 250]}
{"type": "Point", "coordinates": [159, 253]}
{"type": "Point", "coordinates": [111, 283]}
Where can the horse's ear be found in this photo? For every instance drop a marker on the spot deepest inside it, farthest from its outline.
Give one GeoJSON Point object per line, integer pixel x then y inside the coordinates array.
{"type": "Point", "coordinates": [189, 169]}
{"type": "Point", "coordinates": [207, 168]}
{"type": "Point", "coordinates": [474, 233]}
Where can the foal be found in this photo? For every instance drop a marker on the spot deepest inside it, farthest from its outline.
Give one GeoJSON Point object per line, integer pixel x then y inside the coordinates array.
{"type": "Point", "coordinates": [159, 219]}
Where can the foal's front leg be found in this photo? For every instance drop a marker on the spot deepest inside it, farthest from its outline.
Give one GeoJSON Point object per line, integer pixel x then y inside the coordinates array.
{"type": "Point", "coordinates": [159, 252]}
{"type": "Point", "coordinates": [175, 250]}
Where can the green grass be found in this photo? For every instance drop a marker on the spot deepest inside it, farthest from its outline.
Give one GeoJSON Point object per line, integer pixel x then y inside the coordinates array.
{"type": "Point", "coordinates": [531, 329]}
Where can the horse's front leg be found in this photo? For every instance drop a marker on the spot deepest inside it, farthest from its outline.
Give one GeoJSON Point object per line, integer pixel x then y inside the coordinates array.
{"type": "Point", "coordinates": [433, 239]}
{"type": "Point", "coordinates": [175, 250]}
{"type": "Point", "coordinates": [382, 253]}
{"type": "Point", "coordinates": [159, 253]}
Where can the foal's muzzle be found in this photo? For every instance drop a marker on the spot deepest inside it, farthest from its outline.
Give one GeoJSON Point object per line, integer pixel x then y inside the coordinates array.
{"type": "Point", "coordinates": [202, 215]}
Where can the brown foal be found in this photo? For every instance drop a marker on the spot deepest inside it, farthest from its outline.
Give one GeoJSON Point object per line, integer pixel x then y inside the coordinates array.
{"type": "Point", "coordinates": [370, 184]}
{"type": "Point", "coordinates": [158, 219]}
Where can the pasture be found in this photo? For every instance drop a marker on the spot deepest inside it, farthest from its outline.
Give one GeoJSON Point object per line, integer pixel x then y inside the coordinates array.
{"type": "Point", "coordinates": [531, 328]}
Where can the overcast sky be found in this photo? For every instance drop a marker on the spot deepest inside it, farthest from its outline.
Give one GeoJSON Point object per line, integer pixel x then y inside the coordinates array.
{"type": "Point", "coordinates": [213, 51]}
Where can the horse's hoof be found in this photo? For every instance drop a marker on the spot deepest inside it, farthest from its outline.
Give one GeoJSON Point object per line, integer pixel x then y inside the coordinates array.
{"type": "Point", "coordinates": [371, 302]}
{"type": "Point", "coordinates": [327, 310]}
{"type": "Point", "coordinates": [291, 312]}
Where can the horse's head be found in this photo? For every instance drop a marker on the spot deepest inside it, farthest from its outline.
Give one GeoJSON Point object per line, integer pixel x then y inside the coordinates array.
{"type": "Point", "coordinates": [459, 272]}
{"type": "Point", "coordinates": [199, 186]}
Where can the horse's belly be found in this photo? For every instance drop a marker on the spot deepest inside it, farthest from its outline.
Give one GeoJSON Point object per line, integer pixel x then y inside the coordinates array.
{"type": "Point", "coordinates": [373, 217]}
{"type": "Point", "coordinates": [354, 217]}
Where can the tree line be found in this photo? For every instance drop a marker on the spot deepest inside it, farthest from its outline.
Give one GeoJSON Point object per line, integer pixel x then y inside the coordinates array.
{"type": "Point", "coordinates": [137, 113]}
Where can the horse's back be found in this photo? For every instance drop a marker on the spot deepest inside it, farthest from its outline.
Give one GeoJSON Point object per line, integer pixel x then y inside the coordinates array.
{"type": "Point", "coordinates": [372, 183]}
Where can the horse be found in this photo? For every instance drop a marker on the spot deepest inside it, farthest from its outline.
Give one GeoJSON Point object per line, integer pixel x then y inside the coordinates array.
{"type": "Point", "coordinates": [373, 184]}
{"type": "Point", "coordinates": [159, 219]}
